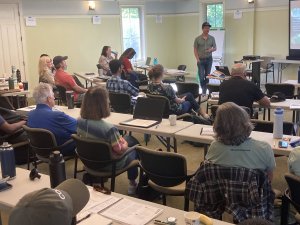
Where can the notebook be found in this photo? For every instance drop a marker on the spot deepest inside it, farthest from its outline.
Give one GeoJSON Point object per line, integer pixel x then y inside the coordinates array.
{"type": "Point", "coordinates": [223, 69]}
{"type": "Point", "coordinates": [147, 113]}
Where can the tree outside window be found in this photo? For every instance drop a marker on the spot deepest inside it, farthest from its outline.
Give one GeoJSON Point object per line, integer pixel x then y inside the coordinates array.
{"type": "Point", "coordinates": [131, 28]}
{"type": "Point", "coordinates": [215, 15]}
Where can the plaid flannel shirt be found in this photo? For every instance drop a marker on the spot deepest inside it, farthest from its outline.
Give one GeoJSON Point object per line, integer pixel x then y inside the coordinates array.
{"type": "Point", "coordinates": [116, 84]}
{"type": "Point", "coordinates": [244, 193]}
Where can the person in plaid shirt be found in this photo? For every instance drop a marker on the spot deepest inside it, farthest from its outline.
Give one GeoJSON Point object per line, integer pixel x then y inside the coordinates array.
{"type": "Point", "coordinates": [116, 84]}
{"type": "Point", "coordinates": [239, 173]}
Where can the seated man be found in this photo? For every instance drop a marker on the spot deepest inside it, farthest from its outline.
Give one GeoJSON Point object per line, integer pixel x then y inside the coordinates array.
{"type": "Point", "coordinates": [241, 91]}
{"type": "Point", "coordinates": [65, 80]}
{"type": "Point", "coordinates": [60, 124]}
{"type": "Point", "coordinates": [116, 84]}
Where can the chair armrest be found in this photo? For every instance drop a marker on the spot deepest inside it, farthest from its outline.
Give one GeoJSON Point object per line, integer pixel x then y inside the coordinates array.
{"type": "Point", "coordinates": [129, 150]}
{"type": "Point", "coordinates": [183, 116]}
{"type": "Point", "coordinates": [19, 144]}
{"type": "Point", "coordinates": [64, 144]}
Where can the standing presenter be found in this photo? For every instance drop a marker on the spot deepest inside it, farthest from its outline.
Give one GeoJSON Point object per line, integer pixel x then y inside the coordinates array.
{"type": "Point", "coordinates": [204, 45]}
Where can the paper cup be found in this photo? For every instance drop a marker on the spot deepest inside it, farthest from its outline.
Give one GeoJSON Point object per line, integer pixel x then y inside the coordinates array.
{"type": "Point", "coordinates": [192, 218]}
{"type": "Point", "coordinates": [172, 119]}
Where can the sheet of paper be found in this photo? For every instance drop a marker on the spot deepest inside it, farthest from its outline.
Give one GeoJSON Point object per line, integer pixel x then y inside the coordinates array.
{"type": "Point", "coordinates": [131, 212]}
{"type": "Point", "coordinates": [97, 203]}
{"type": "Point", "coordinates": [96, 219]}
{"type": "Point", "coordinates": [295, 106]}
{"type": "Point", "coordinates": [207, 131]}
{"type": "Point", "coordinates": [140, 122]}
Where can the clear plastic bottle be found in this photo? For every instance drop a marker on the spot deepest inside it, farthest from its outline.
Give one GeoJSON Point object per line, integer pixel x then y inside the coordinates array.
{"type": "Point", "coordinates": [278, 123]}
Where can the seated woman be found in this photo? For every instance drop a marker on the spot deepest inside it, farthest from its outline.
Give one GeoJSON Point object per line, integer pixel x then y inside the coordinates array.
{"type": "Point", "coordinates": [132, 76]}
{"type": "Point", "coordinates": [92, 125]}
{"type": "Point", "coordinates": [105, 58]}
{"type": "Point", "coordinates": [233, 146]}
{"type": "Point", "coordinates": [45, 70]}
{"type": "Point", "coordinates": [178, 105]}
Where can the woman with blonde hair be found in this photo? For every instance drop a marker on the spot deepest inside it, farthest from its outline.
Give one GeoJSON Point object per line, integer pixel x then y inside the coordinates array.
{"type": "Point", "coordinates": [233, 145]}
{"type": "Point", "coordinates": [45, 70]}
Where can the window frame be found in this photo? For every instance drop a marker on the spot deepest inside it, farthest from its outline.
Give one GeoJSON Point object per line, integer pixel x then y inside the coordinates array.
{"type": "Point", "coordinates": [141, 8]}
{"type": "Point", "coordinates": [206, 18]}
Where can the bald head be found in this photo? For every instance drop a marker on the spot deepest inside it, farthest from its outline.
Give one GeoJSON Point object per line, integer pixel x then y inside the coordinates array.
{"type": "Point", "coordinates": [238, 69]}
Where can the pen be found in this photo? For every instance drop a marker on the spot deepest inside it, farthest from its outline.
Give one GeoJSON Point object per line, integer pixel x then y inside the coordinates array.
{"type": "Point", "coordinates": [87, 216]}
{"type": "Point", "coordinates": [201, 130]}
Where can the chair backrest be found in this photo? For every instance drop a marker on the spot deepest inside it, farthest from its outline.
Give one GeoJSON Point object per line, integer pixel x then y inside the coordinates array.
{"type": "Point", "coordinates": [62, 93]}
{"type": "Point", "coordinates": [41, 141]}
{"type": "Point", "coordinates": [94, 154]}
{"type": "Point", "coordinates": [265, 64]}
{"type": "Point", "coordinates": [166, 169]}
{"type": "Point", "coordinates": [256, 72]}
{"type": "Point", "coordinates": [293, 182]}
{"type": "Point", "coordinates": [267, 126]}
{"type": "Point", "coordinates": [287, 89]}
{"type": "Point", "coordinates": [78, 82]}
{"type": "Point", "coordinates": [213, 88]}
{"type": "Point", "coordinates": [167, 109]}
{"type": "Point", "coordinates": [6, 103]}
{"type": "Point", "coordinates": [181, 67]}
{"type": "Point", "coordinates": [214, 108]}
{"type": "Point", "coordinates": [120, 102]}
{"type": "Point", "coordinates": [183, 87]}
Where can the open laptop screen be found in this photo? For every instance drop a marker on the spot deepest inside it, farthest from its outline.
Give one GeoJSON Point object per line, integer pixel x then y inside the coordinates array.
{"type": "Point", "coordinates": [223, 69]}
{"type": "Point", "coordinates": [148, 61]}
{"type": "Point", "coordinates": [149, 108]}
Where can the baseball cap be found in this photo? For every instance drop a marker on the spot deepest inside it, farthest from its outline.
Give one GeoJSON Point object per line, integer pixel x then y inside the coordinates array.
{"type": "Point", "coordinates": [58, 59]}
{"type": "Point", "coordinates": [51, 206]}
{"type": "Point", "coordinates": [205, 24]}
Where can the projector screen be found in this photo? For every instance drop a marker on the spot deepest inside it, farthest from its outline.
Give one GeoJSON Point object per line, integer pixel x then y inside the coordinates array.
{"type": "Point", "coordinates": [294, 27]}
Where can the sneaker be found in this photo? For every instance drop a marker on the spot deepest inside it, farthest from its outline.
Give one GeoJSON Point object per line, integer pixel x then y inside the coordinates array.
{"type": "Point", "coordinates": [132, 189]}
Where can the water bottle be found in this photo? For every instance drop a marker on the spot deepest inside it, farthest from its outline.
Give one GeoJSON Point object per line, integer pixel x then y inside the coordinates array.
{"type": "Point", "coordinates": [278, 123]}
{"type": "Point", "coordinates": [8, 164]}
{"type": "Point", "coordinates": [299, 75]}
{"type": "Point", "coordinates": [14, 76]}
{"type": "Point", "coordinates": [155, 61]}
{"type": "Point", "coordinates": [11, 84]}
{"type": "Point", "coordinates": [18, 76]}
{"type": "Point", "coordinates": [57, 169]}
{"type": "Point", "coordinates": [70, 99]}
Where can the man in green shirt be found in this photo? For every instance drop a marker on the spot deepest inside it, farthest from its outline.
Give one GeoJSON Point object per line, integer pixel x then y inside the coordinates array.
{"type": "Point", "coordinates": [204, 45]}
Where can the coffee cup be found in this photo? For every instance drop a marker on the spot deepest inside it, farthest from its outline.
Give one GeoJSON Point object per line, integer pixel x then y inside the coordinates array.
{"type": "Point", "coordinates": [172, 119]}
{"type": "Point", "coordinates": [192, 218]}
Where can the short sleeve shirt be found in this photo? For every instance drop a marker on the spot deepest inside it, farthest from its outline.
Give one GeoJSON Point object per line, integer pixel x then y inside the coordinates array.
{"type": "Point", "coordinates": [127, 64]}
{"type": "Point", "coordinates": [294, 161]}
{"type": "Point", "coordinates": [64, 79]}
{"type": "Point", "coordinates": [202, 45]}
{"type": "Point", "coordinates": [251, 154]}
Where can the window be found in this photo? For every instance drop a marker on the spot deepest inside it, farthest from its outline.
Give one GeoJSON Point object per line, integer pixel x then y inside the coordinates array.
{"type": "Point", "coordinates": [214, 15]}
{"type": "Point", "coordinates": [132, 32]}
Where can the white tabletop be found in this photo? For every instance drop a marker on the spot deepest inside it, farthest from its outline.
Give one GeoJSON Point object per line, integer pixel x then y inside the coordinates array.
{"type": "Point", "coordinates": [22, 186]}
{"type": "Point", "coordinates": [192, 133]}
{"type": "Point", "coordinates": [21, 92]}
{"type": "Point", "coordinates": [93, 78]}
{"type": "Point", "coordinates": [285, 61]}
{"type": "Point", "coordinates": [285, 104]}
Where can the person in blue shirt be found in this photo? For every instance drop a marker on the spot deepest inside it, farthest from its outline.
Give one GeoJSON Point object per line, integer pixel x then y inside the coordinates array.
{"type": "Point", "coordinates": [60, 124]}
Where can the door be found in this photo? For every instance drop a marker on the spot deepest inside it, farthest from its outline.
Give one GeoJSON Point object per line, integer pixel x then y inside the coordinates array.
{"type": "Point", "coordinates": [11, 51]}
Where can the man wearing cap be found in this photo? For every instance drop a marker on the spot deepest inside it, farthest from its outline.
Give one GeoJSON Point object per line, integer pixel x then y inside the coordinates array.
{"type": "Point", "coordinates": [241, 91]}
{"type": "Point", "coordinates": [204, 45]}
{"type": "Point", "coordinates": [62, 78]}
{"type": "Point", "coordinates": [51, 206]}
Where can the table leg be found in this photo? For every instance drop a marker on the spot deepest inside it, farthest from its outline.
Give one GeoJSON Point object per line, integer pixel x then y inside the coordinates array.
{"type": "Point", "coordinates": [4, 218]}
{"type": "Point", "coordinates": [168, 140]}
{"type": "Point", "coordinates": [175, 145]}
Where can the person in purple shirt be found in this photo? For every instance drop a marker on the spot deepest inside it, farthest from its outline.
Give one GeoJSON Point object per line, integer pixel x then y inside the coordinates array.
{"type": "Point", "coordinates": [60, 124]}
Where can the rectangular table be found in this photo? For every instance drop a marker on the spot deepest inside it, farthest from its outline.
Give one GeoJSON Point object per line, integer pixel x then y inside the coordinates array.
{"type": "Point", "coordinates": [93, 78]}
{"type": "Point", "coordinates": [163, 129]}
{"type": "Point", "coordinates": [22, 186]}
{"type": "Point", "coordinates": [192, 133]}
{"type": "Point", "coordinates": [283, 64]}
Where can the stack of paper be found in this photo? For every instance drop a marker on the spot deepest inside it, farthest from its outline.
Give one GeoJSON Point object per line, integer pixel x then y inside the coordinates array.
{"type": "Point", "coordinates": [207, 131]}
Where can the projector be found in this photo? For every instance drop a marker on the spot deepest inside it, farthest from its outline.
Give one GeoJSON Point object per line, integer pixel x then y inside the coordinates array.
{"type": "Point", "coordinates": [251, 57]}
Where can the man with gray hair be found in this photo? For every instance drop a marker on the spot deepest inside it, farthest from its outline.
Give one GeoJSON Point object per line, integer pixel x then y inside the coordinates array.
{"type": "Point", "coordinates": [60, 124]}
{"type": "Point", "coordinates": [241, 91]}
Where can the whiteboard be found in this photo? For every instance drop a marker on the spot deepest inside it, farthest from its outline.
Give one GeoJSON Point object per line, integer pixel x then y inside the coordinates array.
{"type": "Point", "coordinates": [219, 36]}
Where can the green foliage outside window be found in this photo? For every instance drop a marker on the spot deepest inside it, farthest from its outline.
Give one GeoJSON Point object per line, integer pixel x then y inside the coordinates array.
{"type": "Point", "coordinates": [214, 14]}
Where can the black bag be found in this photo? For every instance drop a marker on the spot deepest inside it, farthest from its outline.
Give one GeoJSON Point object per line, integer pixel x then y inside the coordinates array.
{"type": "Point", "coordinates": [198, 120]}
{"type": "Point", "coordinates": [144, 191]}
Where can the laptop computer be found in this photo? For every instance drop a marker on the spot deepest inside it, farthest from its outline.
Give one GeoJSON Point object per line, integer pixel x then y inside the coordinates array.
{"type": "Point", "coordinates": [147, 113]}
{"type": "Point", "coordinates": [223, 69]}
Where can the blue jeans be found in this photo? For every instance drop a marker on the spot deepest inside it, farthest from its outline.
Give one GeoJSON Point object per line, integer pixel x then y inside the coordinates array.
{"type": "Point", "coordinates": [204, 68]}
{"type": "Point", "coordinates": [188, 104]}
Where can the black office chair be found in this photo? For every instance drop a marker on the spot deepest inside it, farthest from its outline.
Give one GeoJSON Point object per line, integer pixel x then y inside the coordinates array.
{"type": "Point", "coordinates": [214, 108]}
{"type": "Point", "coordinates": [211, 88]}
{"type": "Point", "coordinates": [177, 78]}
{"type": "Point", "coordinates": [120, 102]}
{"type": "Point", "coordinates": [96, 156]}
{"type": "Point", "coordinates": [291, 195]}
{"type": "Point", "coordinates": [63, 98]}
{"type": "Point", "coordinates": [193, 88]}
{"type": "Point", "coordinates": [287, 89]}
{"type": "Point", "coordinates": [168, 175]}
{"type": "Point", "coordinates": [267, 126]}
{"type": "Point", "coordinates": [267, 66]}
